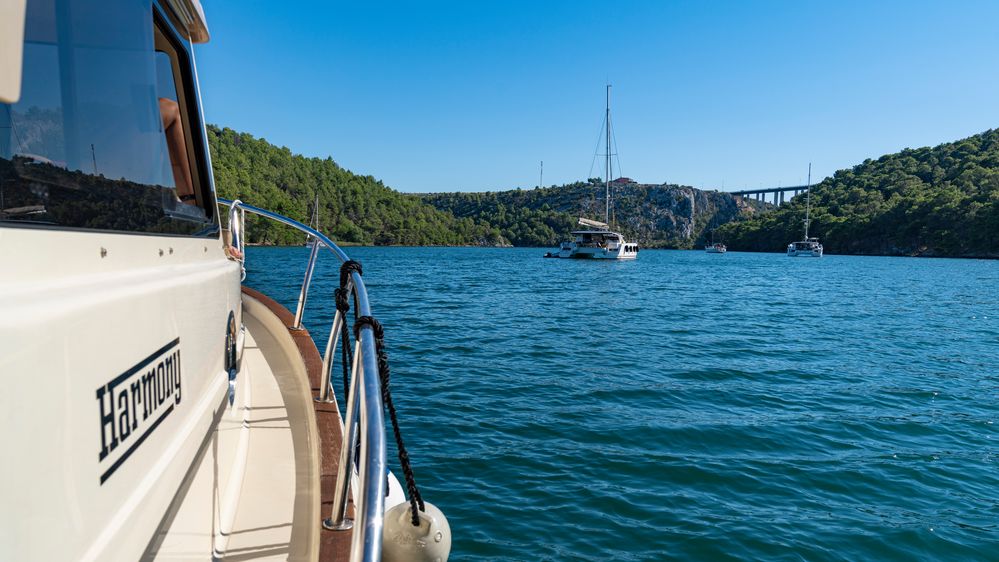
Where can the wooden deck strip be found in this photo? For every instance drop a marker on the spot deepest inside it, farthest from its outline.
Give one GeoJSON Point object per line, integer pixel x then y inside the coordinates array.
{"type": "Point", "coordinates": [334, 545]}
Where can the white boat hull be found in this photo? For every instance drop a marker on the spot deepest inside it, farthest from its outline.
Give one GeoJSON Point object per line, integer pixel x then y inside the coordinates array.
{"type": "Point", "coordinates": [598, 254]}
{"type": "Point", "coordinates": [114, 347]}
{"type": "Point", "coordinates": [597, 245]}
{"type": "Point", "coordinates": [804, 253]}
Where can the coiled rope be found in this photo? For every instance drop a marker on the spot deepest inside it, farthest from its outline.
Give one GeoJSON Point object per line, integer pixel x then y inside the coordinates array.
{"type": "Point", "coordinates": [342, 297]}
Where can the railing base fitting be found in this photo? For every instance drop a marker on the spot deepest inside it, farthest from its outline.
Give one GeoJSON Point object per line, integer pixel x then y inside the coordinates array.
{"type": "Point", "coordinates": [347, 525]}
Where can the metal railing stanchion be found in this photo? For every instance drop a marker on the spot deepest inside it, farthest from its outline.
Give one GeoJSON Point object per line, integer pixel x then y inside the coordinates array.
{"type": "Point", "coordinates": [326, 392]}
{"type": "Point", "coordinates": [338, 520]}
{"type": "Point", "coordinates": [304, 294]}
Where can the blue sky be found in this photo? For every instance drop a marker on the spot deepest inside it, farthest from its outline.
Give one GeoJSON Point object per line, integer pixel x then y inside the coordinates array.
{"type": "Point", "coordinates": [470, 96]}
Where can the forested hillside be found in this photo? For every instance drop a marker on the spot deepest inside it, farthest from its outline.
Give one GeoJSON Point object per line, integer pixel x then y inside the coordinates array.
{"type": "Point", "coordinates": [940, 201]}
{"type": "Point", "coordinates": [362, 210]}
{"type": "Point", "coordinates": [353, 208]}
{"type": "Point", "coordinates": [656, 216]}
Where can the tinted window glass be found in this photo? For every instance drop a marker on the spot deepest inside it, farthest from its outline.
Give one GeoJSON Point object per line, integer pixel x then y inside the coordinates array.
{"type": "Point", "coordinates": [85, 146]}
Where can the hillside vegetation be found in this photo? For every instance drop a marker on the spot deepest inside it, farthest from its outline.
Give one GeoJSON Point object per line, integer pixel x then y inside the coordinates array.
{"type": "Point", "coordinates": [352, 208]}
{"type": "Point", "coordinates": [939, 201]}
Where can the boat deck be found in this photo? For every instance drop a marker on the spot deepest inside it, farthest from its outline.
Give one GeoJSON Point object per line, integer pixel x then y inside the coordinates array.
{"type": "Point", "coordinates": [292, 448]}
{"type": "Point", "coordinates": [277, 516]}
{"type": "Point", "coordinates": [283, 450]}
{"type": "Point", "coordinates": [285, 351]}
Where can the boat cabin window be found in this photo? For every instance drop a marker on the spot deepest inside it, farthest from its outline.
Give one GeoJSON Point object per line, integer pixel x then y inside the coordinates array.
{"type": "Point", "coordinates": [101, 137]}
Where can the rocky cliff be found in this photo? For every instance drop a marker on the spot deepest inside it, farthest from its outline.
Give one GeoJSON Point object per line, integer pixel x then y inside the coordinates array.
{"type": "Point", "coordinates": [657, 216]}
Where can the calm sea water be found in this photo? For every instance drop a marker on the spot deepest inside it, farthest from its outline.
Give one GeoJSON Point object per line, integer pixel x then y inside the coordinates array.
{"type": "Point", "coordinates": [688, 406]}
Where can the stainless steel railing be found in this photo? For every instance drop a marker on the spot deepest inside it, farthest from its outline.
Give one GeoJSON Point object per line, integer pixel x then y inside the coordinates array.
{"type": "Point", "coordinates": [364, 410]}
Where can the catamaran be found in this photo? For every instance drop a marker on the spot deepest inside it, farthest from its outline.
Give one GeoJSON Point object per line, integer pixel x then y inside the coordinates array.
{"type": "Point", "coordinates": [599, 241]}
{"type": "Point", "coordinates": [810, 246]}
{"type": "Point", "coordinates": [153, 407]}
{"type": "Point", "coordinates": [715, 247]}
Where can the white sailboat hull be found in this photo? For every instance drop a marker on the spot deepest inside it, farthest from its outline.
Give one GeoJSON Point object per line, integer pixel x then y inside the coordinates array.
{"type": "Point", "coordinates": [598, 245]}
{"type": "Point", "coordinates": [809, 253]}
{"type": "Point", "coordinates": [598, 254]}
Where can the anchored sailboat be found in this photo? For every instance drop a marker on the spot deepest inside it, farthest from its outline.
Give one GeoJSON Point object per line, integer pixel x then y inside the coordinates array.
{"type": "Point", "coordinates": [599, 241]}
{"type": "Point", "coordinates": [809, 247]}
{"type": "Point", "coordinates": [715, 247]}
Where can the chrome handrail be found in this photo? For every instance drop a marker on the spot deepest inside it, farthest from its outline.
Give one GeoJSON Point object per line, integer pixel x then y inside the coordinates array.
{"type": "Point", "coordinates": [365, 412]}
{"type": "Point", "coordinates": [304, 293]}
{"type": "Point", "coordinates": [237, 223]}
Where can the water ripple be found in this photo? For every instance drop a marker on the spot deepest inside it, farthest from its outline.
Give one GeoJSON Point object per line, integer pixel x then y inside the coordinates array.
{"type": "Point", "coordinates": [688, 406]}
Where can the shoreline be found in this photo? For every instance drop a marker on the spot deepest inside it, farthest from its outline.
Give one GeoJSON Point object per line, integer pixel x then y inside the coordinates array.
{"type": "Point", "coordinates": [696, 249]}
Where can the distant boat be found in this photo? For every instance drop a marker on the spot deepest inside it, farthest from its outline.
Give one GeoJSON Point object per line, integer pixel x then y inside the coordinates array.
{"type": "Point", "coordinates": [715, 247]}
{"type": "Point", "coordinates": [599, 241]}
{"type": "Point", "coordinates": [809, 247]}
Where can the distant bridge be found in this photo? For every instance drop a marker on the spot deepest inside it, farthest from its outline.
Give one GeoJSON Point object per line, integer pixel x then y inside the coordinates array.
{"type": "Point", "coordinates": [778, 193]}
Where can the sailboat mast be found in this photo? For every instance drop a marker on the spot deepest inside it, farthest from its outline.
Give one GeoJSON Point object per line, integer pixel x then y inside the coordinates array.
{"type": "Point", "coordinates": [808, 199]}
{"type": "Point", "coordinates": [313, 221]}
{"type": "Point", "coordinates": [607, 172]}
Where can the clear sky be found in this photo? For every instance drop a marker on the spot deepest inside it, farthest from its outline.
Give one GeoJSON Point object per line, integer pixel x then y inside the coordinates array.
{"type": "Point", "coordinates": [471, 96]}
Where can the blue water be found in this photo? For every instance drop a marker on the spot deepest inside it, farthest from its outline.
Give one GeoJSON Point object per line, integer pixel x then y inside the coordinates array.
{"type": "Point", "coordinates": [688, 406]}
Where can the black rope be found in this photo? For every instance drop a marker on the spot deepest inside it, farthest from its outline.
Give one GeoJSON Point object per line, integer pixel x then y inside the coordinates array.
{"type": "Point", "coordinates": [346, 268]}
{"type": "Point", "coordinates": [346, 353]}
{"type": "Point", "coordinates": [415, 499]}
{"type": "Point", "coordinates": [342, 297]}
